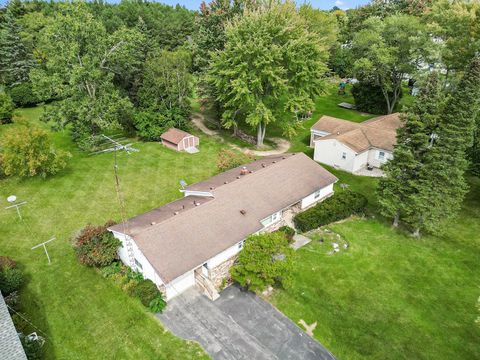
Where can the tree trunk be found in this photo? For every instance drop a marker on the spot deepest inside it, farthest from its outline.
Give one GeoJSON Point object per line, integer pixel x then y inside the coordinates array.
{"type": "Point", "coordinates": [416, 233]}
{"type": "Point", "coordinates": [235, 129]}
{"type": "Point", "coordinates": [396, 219]}
{"type": "Point", "coordinates": [260, 135]}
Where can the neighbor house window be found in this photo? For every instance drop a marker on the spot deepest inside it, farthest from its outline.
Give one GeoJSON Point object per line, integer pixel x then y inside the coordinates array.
{"type": "Point", "coordinates": [317, 194]}
{"type": "Point", "coordinates": [271, 219]}
{"type": "Point", "coordinates": [344, 155]}
{"type": "Point", "coordinates": [381, 155]}
{"type": "Point", "coordinates": [138, 264]}
{"type": "Point", "coordinates": [240, 244]}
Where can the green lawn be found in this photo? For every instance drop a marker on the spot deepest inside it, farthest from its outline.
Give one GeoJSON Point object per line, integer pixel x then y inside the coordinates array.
{"type": "Point", "coordinates": [84, 315]}
{"type": "Point", "coordinates": [390, 296]}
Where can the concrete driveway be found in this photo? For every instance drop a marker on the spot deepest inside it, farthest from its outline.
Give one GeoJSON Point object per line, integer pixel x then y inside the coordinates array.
{"type": "Point", "coordinates": [239, 325]}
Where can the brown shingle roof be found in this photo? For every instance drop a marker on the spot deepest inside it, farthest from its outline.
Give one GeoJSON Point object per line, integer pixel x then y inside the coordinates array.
{"type": "Point", "coordinates": [379, 132]}
{"type": "Point", "coordinates": [174, 135]}
{"type": "Point", "coordinates": [182, 242]}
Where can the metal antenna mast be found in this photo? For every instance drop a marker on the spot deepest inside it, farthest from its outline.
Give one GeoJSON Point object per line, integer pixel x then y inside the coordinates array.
{"type": "Point", "coordinates": [114, 143]}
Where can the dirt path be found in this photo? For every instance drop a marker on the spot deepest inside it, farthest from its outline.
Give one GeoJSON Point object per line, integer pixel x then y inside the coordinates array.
{"type": "Point", "coordinates": [199, 121]}
{"type": "Point", "coordinates": [282, 145]}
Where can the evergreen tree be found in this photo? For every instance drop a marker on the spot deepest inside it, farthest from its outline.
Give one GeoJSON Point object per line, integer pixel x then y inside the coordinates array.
{"type": "Point", "coordinates": [15, 60]}
{"type": "Point", "coordinates": [442, 185]}
{"type": "Point", "coordinates": [399, 187]}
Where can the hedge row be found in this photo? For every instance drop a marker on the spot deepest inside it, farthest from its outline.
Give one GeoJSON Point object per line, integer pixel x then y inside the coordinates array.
{"type": "Point", "coordinates": [338, 207]}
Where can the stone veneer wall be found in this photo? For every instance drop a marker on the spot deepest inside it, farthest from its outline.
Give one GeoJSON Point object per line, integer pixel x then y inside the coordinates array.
{"type": "Point", "coordinates": [221, 271]}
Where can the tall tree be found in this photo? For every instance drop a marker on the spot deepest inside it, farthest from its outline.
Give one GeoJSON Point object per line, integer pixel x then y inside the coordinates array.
{"type": "Point", "coordinates": [399, 187]}
{"type": "Point", "coordinates": [271, 69]}
{"type": "Point", "coordinates": [456, 25]}
{"type": "Point", "coordinates": [442, 178]}
{"type": "Point", "coordinates": [81, 61]}
{"type": "Point", "coordinates": [15, 60]}
{"type": "Point", "coordinates": [210, 29]}
{"type": "Point", "coordinates": [388, 50]}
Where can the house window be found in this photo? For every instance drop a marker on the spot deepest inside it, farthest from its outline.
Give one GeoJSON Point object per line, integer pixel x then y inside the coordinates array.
{"type": "Point", "coordinates": [344, 155]}
{"type": "Point", "coordinates": [138, 264]}
{"type": "Point", "coordinates": [271, 219]}
{"type": "Point", "coordinates": [381, 155]}
{"type": "Point", "coordinates": [317, 194]}
{"type": "Point", "coordinates": [240, 244]}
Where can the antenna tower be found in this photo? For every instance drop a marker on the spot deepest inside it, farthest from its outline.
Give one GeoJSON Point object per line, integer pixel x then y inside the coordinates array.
{"type": "Point", "coordinates": [115, 144]}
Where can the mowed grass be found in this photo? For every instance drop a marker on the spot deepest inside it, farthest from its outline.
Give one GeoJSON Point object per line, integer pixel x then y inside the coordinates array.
{"type": "Point", "coordinates": [390, 296]}
{"type": "Point", "coordinates": [83, 315]}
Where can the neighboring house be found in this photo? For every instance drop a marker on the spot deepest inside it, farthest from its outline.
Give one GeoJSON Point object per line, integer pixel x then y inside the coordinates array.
{"type": "Point", "coordinates": [180, 140]}
{"type": "Point", "coordinates": [355, 147]}
{"type": "Point", "coordinates": [10, 345]}
{"type": "Point", "coordinates": [195, 240]}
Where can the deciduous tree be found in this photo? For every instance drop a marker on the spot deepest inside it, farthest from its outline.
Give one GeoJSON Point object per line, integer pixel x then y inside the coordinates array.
{"type": "Point", "coordinates": [388, 50]}
{"type": "Point", "coordinates": [28, 151]}
{"type": "Point", "coordinates": [271, 69]}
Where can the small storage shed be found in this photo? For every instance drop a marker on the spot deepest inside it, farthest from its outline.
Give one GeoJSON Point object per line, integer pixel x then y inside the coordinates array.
{"type": "Point", "coordinates": [180, 140]}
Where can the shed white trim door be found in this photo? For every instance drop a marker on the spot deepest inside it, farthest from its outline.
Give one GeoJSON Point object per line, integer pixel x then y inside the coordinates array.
{"type": "Point", "coordinates": [185, 143]}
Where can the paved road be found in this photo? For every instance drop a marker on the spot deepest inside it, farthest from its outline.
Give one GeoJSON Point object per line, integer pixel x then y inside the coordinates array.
{"type": "Point", "coordinates": [239, 326]}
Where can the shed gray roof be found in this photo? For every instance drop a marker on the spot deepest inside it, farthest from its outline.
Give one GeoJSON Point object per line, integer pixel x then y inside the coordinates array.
{"type": "Point", "coordinates": [10, 345]}
{"type": "Point", "coordinates": [175, 244]}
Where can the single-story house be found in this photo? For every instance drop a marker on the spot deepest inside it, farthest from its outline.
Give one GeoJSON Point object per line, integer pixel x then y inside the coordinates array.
{"type": "Point", "coordinates": [355, 147]}
{"type": "Point", "coordinates": [180, 140]}
{"type": "Point", "coordinates": [10, 346]}
{"type": "Point", "coordinates": [196, 239]}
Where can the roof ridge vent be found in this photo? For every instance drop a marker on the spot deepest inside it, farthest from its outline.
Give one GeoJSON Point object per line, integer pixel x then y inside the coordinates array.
{"type": "Point", "coordinates": [244, 170]}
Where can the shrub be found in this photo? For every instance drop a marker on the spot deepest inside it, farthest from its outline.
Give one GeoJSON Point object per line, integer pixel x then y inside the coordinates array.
{"type": "Point", "coordinates": [369, 98]}
{"type": "Point", "coordinates": [13, 301]}
{"type": "Point", "coordinates": [150, 125]}
{"type": "Point", "coordinates": [288, 231]}
{"type": "Point", "coordinates": [33, 347]}
{"type": "Point", "coordinates": [96, 246]}
{"type": "Point", "coordinates": [157, 305]}
{"type": "Point", "coordinates": [11, 279]}
{"type": "Point", "coordinates": [111, 269]}
{"type": "Point", "coordinates": [28, 151]}
{"type": "Point", "coordinates": [22, 95]}
{"type": "Point", "coordinates": [6, 108]}
{"type": "Point", "coordinates": [229, 159]}
{"type": "Point", "coordinates": [266, 259]}
{"type": "Point", "coordinates": [145, 290]}
{"type": "Point", "coordinates": [342, 205]}
{"type": "Point", "coordinates": [7, 262]}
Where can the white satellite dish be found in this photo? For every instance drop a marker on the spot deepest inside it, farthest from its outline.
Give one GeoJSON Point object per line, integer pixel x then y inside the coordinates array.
{"type": "Point", "coordinates": [12, 199]}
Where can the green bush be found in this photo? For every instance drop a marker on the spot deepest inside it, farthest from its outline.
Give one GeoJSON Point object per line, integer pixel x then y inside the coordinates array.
{"type": "Point", "coordinates": [157, 305]}
{"type": "Point", "coordinates": [369, 98]}
{"type": "Point", "coordinates": [96, 246]}
{"type": "Point", "coordinates": [340, 206]}
{"type": "Point", "coordinates": [111, 269]}
{"type": "Point", "coordinates": [145, 290]}
{"type": "Point", "coordinates": [150, 125]}
{"type": "Point", "coordinates": [6, 108]}
{"type": "Point", "coordinates": [28, 151]}
{"type": "Point", "coordinates": [288, 231]}
{"type": "Point", "coordinates": [11, 279]}
{"type": "Point", "coordinates": [22, 95]}
{"type": "Point", "coordinates": [266, 259]}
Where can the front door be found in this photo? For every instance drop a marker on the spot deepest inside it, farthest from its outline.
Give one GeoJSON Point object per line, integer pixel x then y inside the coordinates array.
{"type": "Point", "coordinates": [185, 143]}
{"type": "Point", "coordinates": [205, 270]}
